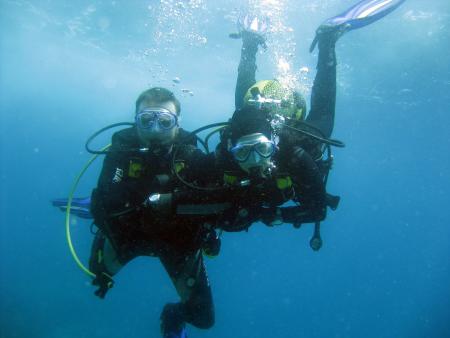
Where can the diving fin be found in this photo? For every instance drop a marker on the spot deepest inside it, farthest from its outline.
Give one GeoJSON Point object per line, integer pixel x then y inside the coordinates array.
{"type": "Point", "coordinates": [181, 334]}
{"type": "Point", "coordinates": [362, 14]}
{"type": "Point", "coordinates": [79, 207]}
{"type": "Point", "coordinates": [172, 321]}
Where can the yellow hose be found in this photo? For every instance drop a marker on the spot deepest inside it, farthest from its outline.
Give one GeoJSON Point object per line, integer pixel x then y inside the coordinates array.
{"type": "Point", "coordinates": [69, 205]}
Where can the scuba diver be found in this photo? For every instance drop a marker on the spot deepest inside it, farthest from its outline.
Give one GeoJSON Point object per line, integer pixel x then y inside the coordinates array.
{"type": "Point", "coordinates": [148, 203]}
{"type": "Point", "coordinates": [270, 137]}
{"type": "Point", "coordinates": [133, 211]}
{"type": "Point", "coordinates": [258, 144]}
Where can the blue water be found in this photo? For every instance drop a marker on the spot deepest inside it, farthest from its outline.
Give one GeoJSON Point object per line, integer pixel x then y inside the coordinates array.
{"type": "Point", "coordinates": [67, 68]}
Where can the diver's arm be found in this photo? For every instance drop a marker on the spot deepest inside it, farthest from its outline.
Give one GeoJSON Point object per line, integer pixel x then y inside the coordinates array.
{"type": "Point", "coordinates": [200, 168]}
{"type": "Point", "coordinates": [247, 67]}
{"type": "Point", "coordinates": [308, 182]}
{"type": "Point", "coordinates": [298, 215]}
{"type": "Point", "coordinates": [238, 218]}
{"type": "Point", "coordinates": [115, 192]}
{"type": "Point", "coordinates": [295, 215]}
{"type": "Point", "coordinates": [198, 191]}
{"type": "Point", "coordinates": [241, 219]}
{"type": "Point", "coordinates": [323, 96]}
{"type": "Point", "coordinates": [230, 207]}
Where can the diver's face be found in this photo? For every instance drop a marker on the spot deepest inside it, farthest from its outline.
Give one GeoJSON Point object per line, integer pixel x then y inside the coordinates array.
{"type": "Point", "coordinates": [254, 153]}
{"type": "Point", "coordinates": [157, 123]}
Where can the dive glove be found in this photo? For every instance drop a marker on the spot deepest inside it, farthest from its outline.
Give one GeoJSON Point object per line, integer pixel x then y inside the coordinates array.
{"type": "Point", "coordinates": [211, 244]}
{"type": "Point", "coordinates": [271, 216]}
{"type": "Point", "coordinates": [104, 283]}
{"type": "Point", "coordinates": [252, 29]}
{"type": "Point", "coordinates": [161, 203]}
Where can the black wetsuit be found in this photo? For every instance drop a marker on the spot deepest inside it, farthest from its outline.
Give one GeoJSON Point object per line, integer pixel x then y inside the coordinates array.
{"type": "Point", "coordinates": [127, 179]}
{"type": "Point", "coordinates": [323, 95]}
{"type": "Point", "coordinates": [297, 155]}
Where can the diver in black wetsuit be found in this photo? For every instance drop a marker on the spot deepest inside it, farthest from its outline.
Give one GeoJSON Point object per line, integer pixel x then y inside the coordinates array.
{"type": "Point", "coordinates": [158, 195]}
{"type": "Point", "coordinates": [297, 160]}
{"type": "Point", "coordinates": [133, 210]}
{"type": "Point", "coordinates": [323, 97]}
{"type": "Point", "coordinates": [270, 109]}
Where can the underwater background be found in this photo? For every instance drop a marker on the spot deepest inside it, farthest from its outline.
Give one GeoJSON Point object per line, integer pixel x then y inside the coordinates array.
{"type": "Point", "coordinates": [68, 68]}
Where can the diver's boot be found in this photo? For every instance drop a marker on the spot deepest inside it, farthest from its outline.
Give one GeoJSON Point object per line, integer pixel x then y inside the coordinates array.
{"type": "Point", "coordinates": [172, 321]}
{"type": "Point", "coordinates": [327, 36]}
{"type": "Point", "coordinates": [331, 33]}
{"type": "Point", "coordinates": [327, 41]}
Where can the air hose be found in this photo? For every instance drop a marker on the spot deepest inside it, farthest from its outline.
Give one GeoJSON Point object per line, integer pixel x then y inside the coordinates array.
{"type": "Point", "coordinates": [69, 204]}
{"type": "Point", "coordinates": [220, 126]}
{"type": "Point", "coordinates": [323, 139]}
{"type": "Point", "coordinates": [93, 136]}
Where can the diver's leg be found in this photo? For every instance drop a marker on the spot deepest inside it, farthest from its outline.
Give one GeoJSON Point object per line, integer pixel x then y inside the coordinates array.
{"type": "Point", "coordinates": [189, 277]}
{"type": "Point", "coordinates": [323, 96]}
{"type": "Point", "coordinates": [104, 263]}
{"type": "Point", "coordinates": [199, 307]}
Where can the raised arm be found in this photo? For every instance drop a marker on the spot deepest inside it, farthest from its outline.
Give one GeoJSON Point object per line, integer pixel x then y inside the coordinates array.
{"type": "Point", "coordinates": [252, 30]}
{"type": "Point", "coordinates": [115, 192]}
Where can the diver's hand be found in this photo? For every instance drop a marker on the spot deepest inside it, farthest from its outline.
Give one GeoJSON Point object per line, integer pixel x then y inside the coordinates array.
{"type": "Point", "coordinates": [252, 29]}
{"type": "Point", "coordinates": [296, 224]}
{"type": "Point", "coordinates": [104, 283]}
{"type": "Point", "coordinates": [301, 214]}
{"type": "Point", "coordinates": [253, 39]}
{"type": "Point", "coordinates": [271, 216]}
{"type": "Point", "coordinates": [211, 244]}
{"type": "Point", "coordinates": [160, 203]}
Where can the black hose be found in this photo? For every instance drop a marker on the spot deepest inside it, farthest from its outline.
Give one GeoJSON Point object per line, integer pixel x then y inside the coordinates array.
{"type": "Point", "coordinates": [203, 143]}
{"type": "Point", "coordinates": [131, 124]}
{"type": "Point", "coordinates": [195, 132]}
{"type": "Point", "coordinates": [89, 140]}
{"type": "Point", "coordinates": [323, 138]}
{"type": "Point", "coordinates": [209, 126]}
{"type": "Point", "coordinates": [210, 135]}
{"type": "Point", "coordinates": [197, 187]}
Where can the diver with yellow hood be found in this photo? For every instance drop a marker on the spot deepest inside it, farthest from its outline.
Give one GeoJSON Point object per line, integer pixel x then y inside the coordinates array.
{"type": "Point", "coordinates": [299, 159]}
{"type": "Point", "coordinates": [295, 170]}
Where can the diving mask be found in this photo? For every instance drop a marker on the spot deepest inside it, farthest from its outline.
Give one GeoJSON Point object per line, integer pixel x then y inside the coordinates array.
{"type": "Point", "coordinates": [148, 118]}
{"type": "Point", "coordinates": [253, 153]}
{"type": "Point", "coordinates": [242, 151]}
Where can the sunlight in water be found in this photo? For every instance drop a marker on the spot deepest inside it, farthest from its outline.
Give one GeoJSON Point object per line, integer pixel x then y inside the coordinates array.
{"type": "Point", "coordinates": [283, 66]}
{"type": "Point", "coordinates": [280, 39]}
